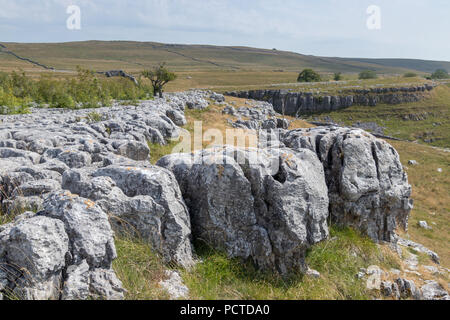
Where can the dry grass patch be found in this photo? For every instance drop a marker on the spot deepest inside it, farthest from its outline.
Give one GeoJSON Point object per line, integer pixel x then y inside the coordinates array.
{"type": "Point", "coordinates": [221, 79]}
{"type": "Point", "coordinates": [431, 195]}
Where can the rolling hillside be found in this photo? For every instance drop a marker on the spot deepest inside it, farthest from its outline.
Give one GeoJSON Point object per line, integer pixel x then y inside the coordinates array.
{"type": "Point", "coordinates": [413, 64]}
{"type": "Point", "coordinates": [134, 56]}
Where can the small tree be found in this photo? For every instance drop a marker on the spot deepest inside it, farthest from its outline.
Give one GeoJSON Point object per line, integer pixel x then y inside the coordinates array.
{"type": "Point", "coordinates": [159, 77]}
{"type": "Point", "coordinates": [440, 74]}
{"type": "Point", "coordinates": [368, 74]}
{"type": "Point", "coordinates": [308, 75]}
{"type": "Point", "coordinates": [337, 76]}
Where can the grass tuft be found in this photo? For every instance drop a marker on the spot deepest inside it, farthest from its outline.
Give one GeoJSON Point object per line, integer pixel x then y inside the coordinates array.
{"type": "Point", "coordinates": [139, 269]}
{"type": "Point", "coordinates": [218, 277]}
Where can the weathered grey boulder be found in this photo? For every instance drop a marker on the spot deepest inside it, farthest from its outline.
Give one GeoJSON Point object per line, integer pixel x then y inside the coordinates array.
{"type": "Point", "coordinates": [76, 285]}
{"type": "Point", "coordinates": [268, 206]}
{"type": "Point", "coordinates": [432, 290]}
{"type": "Point", "coordinates": [390, 289]}
{"type": "Point", "coordinates": [36, 188]}
{"type": "Point", "coordinates": [54, 165]}
{"type": "Point", "coordinates": [35, 251]}
{"type": "Point", "coordinates": [75, 158]}
{"type": "Point", "coordinates": [120, 73]}
{"type": "Point", "coordinates": [217, 97]}
{"type": "Point", "coordinates": [198, 104]}
{"type": "Point", "coordinates": [40, 145]}
{"type": "Point", "coordinates": [18, 204]}
{"type": "Point", "coordinates": [23, 186]}
{"type": "Point", "coordinates": [367, 186]}
{"type": "Point", "coordinates": [40, 172]}
{"type": "Point", "coordinates": [104, 283]}
{"type": "Point", "coordinates": [164, 126]}
{"type": "Point", "coordinates": [177, 117]}
{"type": "Point", "coordinates": [6, 153]}
{"type": "Point", "coordinates": [408, 289]}
{"type": "Point", "coordinates": [88, 227]}
{"type": "Point", "coordinates": [145, 202]}
{"type": "Point", "coordinates": [8, 144]}
{"type": "Point", "coordinates": [10, 181]}
{"type": "Point", "coordinates": [62, 252]}
{"type": "Point", "coordinates": [134, 150]}
{"type": "Point", "coordinates": [424, 225]}
{"type": "Point", "coordinates": [229, 110]}
{"type": "Point", "coordinates": [82, 284]}
{"type": "Point", "coordinates": [162, 187]}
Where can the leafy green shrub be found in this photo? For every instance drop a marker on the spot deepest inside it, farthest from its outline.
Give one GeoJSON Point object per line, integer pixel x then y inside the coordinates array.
{"type": "Point", "coordinates": [63, 100]}
{"type": "Point", "coordinates": [22, 85]}
{"type": "Point", "coordinates": [410, 75]}
{"type": "Point", "coordinates": [86, 90]}
{"type": "Point", "coordinates": [308, 75]}
{"type": "Point", "coordinates": [440, 74]}
{"type": "Point", "coordinates": [124, 89]}
{"type": "Point", "coordinates": [367, 74]}
{"type": "Point", "coordinates": [9, 104]}
{"type": "Point", "coordinates": [337, 76]}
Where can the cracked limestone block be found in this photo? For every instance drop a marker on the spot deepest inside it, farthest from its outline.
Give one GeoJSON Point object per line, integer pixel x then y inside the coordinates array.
{"type": "Point", "coordinates": [367, 186]}
{"type": "Point", "coordinates": [268, 205]}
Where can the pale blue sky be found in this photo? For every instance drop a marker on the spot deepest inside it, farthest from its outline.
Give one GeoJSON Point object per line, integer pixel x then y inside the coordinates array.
{"type": "Point", "coordinates": [409, 28]}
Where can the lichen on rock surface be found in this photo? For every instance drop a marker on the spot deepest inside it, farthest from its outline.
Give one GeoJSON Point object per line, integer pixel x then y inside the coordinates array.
{"type": "Point", "coordinates": [79, 181]}
{"type": "Point", "coordinates": [367, 186]}
{"type": "Point", "coordinates": [38, 251]}
{"type": "Point", "coordinates": [63, 246]}
{"type": "Point", "coordinates": [265, 205]}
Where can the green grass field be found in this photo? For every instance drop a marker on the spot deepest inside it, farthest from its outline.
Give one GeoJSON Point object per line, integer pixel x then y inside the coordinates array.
{"type": "Point", "coordinates": [329, 87]}
{"type": "Point", "coordinates": [135, 56]}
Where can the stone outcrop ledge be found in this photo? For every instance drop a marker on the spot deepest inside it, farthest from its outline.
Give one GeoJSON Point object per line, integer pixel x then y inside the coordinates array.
{"type": "Point", "coordinates": [295, 104]}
